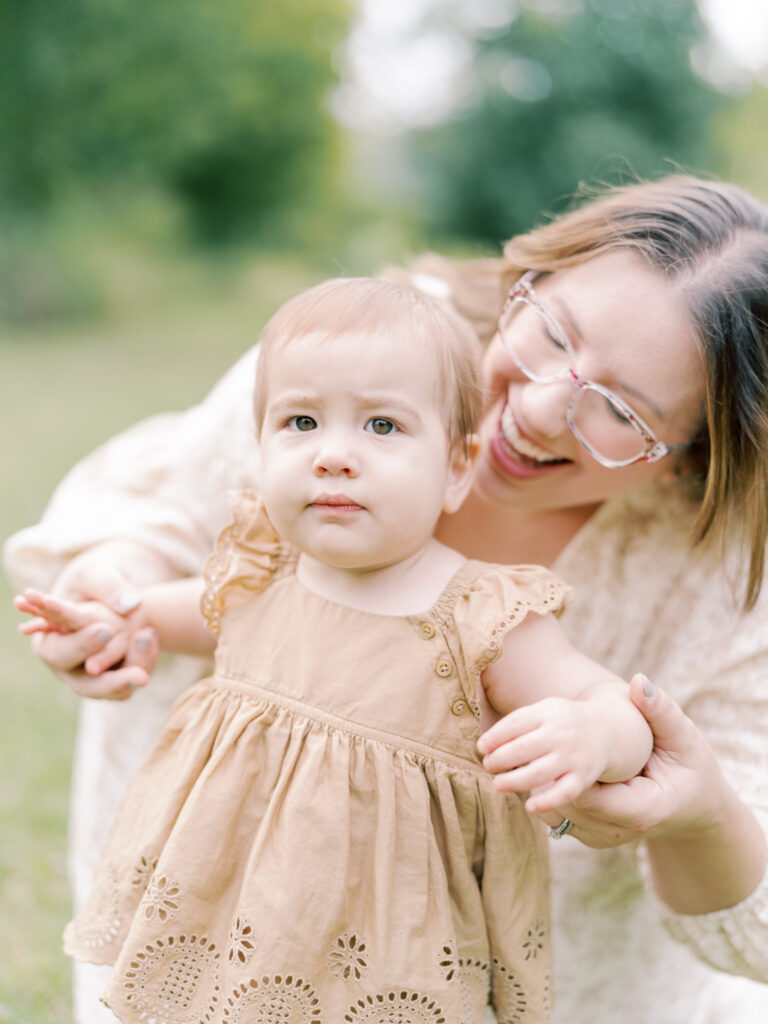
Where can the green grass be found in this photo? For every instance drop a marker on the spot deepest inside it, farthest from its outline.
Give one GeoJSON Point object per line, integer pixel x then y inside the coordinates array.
{"type": "Point", "coordinates": [62, 391]}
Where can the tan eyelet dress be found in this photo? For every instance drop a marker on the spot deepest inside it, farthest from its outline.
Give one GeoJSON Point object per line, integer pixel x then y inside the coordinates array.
{"type": "Point", "coordinates": [313, 838]}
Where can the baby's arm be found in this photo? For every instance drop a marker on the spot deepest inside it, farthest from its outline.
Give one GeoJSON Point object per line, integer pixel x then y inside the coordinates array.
{"type": "Point", "coordinates": [171, 609]}
{"type": "Point", "coordinates": [568, 721]}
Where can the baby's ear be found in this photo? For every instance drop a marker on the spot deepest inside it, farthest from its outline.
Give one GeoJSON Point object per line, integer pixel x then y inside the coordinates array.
{"type": "Point", "coordinates": [461, 473]}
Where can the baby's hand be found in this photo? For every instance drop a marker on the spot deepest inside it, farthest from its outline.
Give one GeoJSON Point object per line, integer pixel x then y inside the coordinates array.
{"type": "Point", "coordinates": [556, 743]}
{"type": "Point", "coordinates": [54, 615]}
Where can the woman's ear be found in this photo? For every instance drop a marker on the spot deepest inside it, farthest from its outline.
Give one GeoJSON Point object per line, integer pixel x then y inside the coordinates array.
{"type": "Point", "coordinates": [461, 473]}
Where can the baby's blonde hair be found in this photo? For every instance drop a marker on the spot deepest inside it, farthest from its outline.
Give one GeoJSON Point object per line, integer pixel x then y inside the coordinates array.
{"type": "Point", "coordinates": [350, 305]}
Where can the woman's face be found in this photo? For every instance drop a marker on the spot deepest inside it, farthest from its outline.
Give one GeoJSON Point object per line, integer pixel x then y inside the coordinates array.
{"type": "Point", "coordinates": [628, 332]}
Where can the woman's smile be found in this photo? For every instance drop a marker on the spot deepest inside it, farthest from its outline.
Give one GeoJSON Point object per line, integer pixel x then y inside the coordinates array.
{"type": "Point", "coordinates": [519, 445]}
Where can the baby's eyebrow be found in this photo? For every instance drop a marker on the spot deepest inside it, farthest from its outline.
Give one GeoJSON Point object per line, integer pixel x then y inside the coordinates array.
{"type": "Point", "coordinates": [376, 400]}
{"type": "Point", "coordinates": [294, 398]}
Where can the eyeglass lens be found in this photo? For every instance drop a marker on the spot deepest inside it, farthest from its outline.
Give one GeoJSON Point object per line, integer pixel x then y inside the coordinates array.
{"type": "Point", "coordinates": [538, 346]}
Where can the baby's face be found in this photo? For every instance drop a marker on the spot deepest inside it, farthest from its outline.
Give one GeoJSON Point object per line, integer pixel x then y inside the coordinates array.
{"type": "Point", "coordinates": [356, 466]}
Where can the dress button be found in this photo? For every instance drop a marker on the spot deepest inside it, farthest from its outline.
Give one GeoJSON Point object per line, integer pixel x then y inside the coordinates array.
{"type": "Point", "coordinates": [459, 706]}
{"type": "Point", "coordinates": [427, 630]}
{"type": "Point", "coordinates": [444, 668]}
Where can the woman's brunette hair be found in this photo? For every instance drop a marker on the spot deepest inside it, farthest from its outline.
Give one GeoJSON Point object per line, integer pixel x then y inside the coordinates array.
{"type": "Point", "coordinates": [710, 241]}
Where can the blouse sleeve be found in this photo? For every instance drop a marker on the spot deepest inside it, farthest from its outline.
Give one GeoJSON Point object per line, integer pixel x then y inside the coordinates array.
{"type": "Point", "coordinates": [731, 708]}
{"type": "Point", "coordinates": [248, 555]}
{"type": "Point", "coordinates": [162, 483]}
{"type": "Point", "coordinates": [649, 602]}
{"type": "Point", "coordinates": [497, 602]}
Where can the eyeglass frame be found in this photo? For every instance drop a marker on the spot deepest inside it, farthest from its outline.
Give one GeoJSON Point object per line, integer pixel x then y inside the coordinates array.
{"type": "Point", "coordinates": [654, 450]}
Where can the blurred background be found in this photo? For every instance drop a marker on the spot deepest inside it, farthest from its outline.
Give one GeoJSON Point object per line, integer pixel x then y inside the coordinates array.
{"type": "Point", "coordinates": [170, 173]}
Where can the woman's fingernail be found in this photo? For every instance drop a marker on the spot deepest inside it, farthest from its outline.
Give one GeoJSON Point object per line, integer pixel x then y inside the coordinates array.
{"type": "Point", "coordinates": [143, 643]}
{"type": "Point", "coordinates": [127, 601]}
{"type": "Point", "coordinates": [648, 687]}
{"type": "Point", "coordinates": [103, 636]}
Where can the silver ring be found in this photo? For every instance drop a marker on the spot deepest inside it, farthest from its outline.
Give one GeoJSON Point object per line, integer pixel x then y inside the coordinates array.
{"type": "Point", "coordinates": [562, 829]}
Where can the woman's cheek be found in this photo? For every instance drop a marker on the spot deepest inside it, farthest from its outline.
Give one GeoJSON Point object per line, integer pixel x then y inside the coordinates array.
{"type": "Point", "coordinates": [499, 371]}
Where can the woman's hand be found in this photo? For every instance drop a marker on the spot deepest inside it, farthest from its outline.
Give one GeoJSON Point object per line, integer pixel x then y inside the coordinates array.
{"type": "Point", "coordinates": [706, 848]}
{"type": "Point", "coordinates": [680, 790]}
{"type": "Point", "coordinates": [96, 576]}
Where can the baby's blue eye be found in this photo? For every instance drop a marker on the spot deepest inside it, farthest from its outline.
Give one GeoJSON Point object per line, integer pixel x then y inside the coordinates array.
{"type": "Point", "coordinates": [302, 423]}
{"type": "Point", "coordinates": [380, 425]}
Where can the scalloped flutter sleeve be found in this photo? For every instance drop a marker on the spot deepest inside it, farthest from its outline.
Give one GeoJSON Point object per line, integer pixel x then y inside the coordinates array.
{"type": "Point", "coordinates": [497, 602]}
{"type": "Point", "coordinates": [248, 554]}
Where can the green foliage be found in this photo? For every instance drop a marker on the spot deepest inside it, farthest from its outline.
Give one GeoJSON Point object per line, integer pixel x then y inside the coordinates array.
{"type": "Point", "coordinates": [222, 104]}
{"type": "Point", "coordinates": [590, 88]}
{"type": "Point", "coordinates": [739, 133]}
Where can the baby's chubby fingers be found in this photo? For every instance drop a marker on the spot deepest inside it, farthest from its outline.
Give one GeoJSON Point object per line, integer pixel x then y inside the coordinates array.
{"type": "Point", "coordinates": [541, 772]}
{"type": "Point", "coordinates": [561, 792]}
{"type": "Point", "coordinates": [62, 615]}
{"type": "Point", "coordinates": [32, 626]}
{"type": "Point", "coordinates": [510, 727]}
{"type": "Point", "coordinates": [517, 752]}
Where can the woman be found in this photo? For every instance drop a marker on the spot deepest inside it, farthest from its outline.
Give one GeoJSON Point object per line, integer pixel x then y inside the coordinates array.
{"type": "Point", "coordinates": [626, 445]}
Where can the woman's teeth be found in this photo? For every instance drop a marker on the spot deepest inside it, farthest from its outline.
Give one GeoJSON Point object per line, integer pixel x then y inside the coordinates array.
{"type": "Point", "coordinates": [522, 445]}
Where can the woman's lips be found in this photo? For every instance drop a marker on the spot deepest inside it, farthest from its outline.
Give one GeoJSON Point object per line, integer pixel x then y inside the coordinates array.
{"type": "Point", "coordinates": [520, 444]}
{"type": "Point", "coordinates": [518, 456]}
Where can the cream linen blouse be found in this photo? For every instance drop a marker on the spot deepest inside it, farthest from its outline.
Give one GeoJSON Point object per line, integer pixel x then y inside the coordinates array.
{"type": "Point", "coordinates": [643, 601]}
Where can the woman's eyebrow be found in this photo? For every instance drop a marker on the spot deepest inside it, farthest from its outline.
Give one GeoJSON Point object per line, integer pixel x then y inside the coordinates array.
{"type": "Point", "coordinates": [566, 314]}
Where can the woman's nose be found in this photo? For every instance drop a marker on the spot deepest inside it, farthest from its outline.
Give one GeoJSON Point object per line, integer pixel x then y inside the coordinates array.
{"type": "Point", "coordinates": [544, 406]}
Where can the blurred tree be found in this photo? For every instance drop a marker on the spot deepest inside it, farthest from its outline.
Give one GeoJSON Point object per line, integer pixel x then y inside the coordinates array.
{"type": "Point", "coordinates": [738, 134]}
{"type": "Point", "coordinates": [566, 90]}
{"type": "Point", "coordinates": [222, 104]}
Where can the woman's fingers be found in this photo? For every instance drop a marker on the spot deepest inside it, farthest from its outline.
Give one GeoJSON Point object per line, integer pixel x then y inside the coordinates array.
{"type": "Point", "coordinates": [110, 655]}
{"type": "Point", "coordinates": [119, 684]}
{"type": "Point", "coordinates": [143, 650]}
{"type": "Point", "coordinates": [107, 585]}
{"type": "Point", "coordinates": [674, 734]}
{"type": "Point", "coordinates": [63, 652]}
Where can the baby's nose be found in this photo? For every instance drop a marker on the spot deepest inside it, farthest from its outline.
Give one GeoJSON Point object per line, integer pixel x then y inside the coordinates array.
{"type": "Point", "coordinates": [336, 459]}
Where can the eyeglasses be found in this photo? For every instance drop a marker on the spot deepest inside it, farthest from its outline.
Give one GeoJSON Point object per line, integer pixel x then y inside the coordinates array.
{"type": "Point", "coordinates": [603, 423]}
